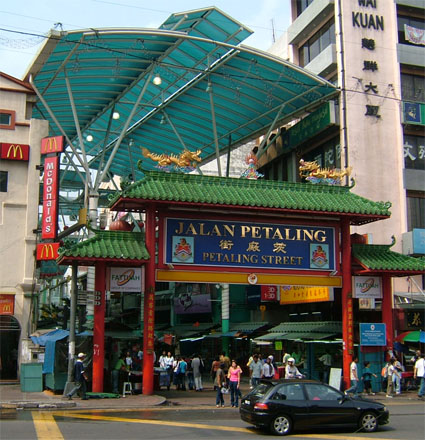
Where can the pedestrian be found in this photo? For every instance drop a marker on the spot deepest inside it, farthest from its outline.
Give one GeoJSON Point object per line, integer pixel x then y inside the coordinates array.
{"type": "Point", "coordinates": [182, 374]}
{"type": "Point", "coordinates": [255, 369]}
{"type": "Point", "coordinates": [268, 368]}
{"type": "Point", "coordinates": [234, 376]}
{"type": "Point", "coordinates": [291, 370]}
{"type": "Point", "coordinates": [80, 377]}
{"type": "Point", "coordinates": [384, 376]}
{"type": "Point", "coordinates": [354, 378]}
{"type": "Point", "coordinates": [119, 366]}
{"type": "Point", "coordinates": [390, 383]}
{"type": "Point", "coordinates": [215, 365]}
{"type": "Point", "coordinates": [197, 366]}
{"type": "Point", "coordinates": [419, 373]}
{"type": "Point", "coordinates": [219, 383]}
{"type": "Point", "coordinates": [367, 378]}
{"type": "Point", "coordinates": [397, 376]}
{"type": "Point", "coordinates": [326, 360]}
{"type": "Point", "coordinates": [167, 363]}
{"type": "Point", "coordinates": [162, 360]}
{"type": "Point", "coordinates": [176, 372]}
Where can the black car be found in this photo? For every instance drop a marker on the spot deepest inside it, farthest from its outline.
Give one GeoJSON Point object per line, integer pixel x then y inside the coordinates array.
{"type": "Point", "coordinates": [291, 403]}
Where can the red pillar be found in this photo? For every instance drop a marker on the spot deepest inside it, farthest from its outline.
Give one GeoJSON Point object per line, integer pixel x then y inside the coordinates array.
{"type": "Point", "coordinates": [347, 303]}
{"type": "Point", "coordinates": [99, 327]}
{"type": "Point", "coordinates": [387, 310]}
{"type": "Point", "coordinates": [149, 304]}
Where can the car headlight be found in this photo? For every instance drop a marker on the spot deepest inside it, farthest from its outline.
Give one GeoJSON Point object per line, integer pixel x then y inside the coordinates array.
{"type": "Point", "coordinates": [384, 409]}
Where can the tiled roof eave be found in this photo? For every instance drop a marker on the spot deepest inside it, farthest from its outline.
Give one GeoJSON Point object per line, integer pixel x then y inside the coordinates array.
{"type": "Point", "coordinates": [69, 259]}
{"type": "Point", "coordinates": [133, 204]}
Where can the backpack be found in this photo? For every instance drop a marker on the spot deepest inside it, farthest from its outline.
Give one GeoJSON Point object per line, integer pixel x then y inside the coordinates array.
{"type": "Point", "coordinates": [384, 371]}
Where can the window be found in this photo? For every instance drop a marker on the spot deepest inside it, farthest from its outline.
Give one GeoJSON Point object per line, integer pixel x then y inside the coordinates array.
{"type": "Point", "coordinates": [3, 181]}
{"type": "Point", "coordinates": [302, 5]}
{"type": "Point", "coordinates": [415, 210]}
{"type": "Point", "coordinates": [322, 392]}
{"type": "Point", "coordinates": [7, 119]}
{"type": "Point", "coordinates": [414, 152]}
{"type": "Point", "coordinates": [416, 23]}
{"type": "Point", "coordinates": [327, 155]}
{"type": "Point", "coordinates": [289, 392]}
{"type": "Point", "coordinates": [412, 88]}
{"type": "Point", "coordinates": [317, 43]}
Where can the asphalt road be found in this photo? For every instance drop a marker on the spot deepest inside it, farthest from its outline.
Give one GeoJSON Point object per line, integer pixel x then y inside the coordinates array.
{"type": "Point", "coordinates": [407, 422]}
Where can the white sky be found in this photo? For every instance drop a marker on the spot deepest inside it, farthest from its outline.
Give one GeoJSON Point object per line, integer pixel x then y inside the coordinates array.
{"type": "Point", "coordinates": [38, 16]}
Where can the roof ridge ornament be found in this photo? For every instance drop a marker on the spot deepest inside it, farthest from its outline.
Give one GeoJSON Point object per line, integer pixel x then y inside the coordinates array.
{"type": "Point", "coordinates": [185, 162]}
{"type": "Point", "coordinates": [312, 172]}
{"type": "Point", "coordinates": [251, 172]}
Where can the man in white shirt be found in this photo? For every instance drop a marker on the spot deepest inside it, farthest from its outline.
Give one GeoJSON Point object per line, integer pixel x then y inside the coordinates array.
{"type": "Point", "coordinates": [354, 378]}
{"type": "Point", "coordinates": [419, 372]}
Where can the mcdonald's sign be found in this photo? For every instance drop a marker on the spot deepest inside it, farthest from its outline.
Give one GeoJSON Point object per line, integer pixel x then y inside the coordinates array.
{"type": "Point", "coordinates": [19, 152]}
{"type": "Point", "coordinates": [7, 304]}
{"type": "Point", "coordinates": [49, 223]}
{"type": "Point", "coordinates": [52, 144]}
{"type": "Point", "coordinates": [47, 251]}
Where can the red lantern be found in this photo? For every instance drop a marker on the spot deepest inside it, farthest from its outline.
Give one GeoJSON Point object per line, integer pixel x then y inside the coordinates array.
{"type": "Point", "coordinates": [120, 225]}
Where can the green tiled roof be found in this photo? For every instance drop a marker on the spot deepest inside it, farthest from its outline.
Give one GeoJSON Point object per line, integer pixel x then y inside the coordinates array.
{"type": "Point", "coordinates": [381, 258]}
{"type": "Point", "coordinates": [242, 193]}
{"type": "Point", "coordinates": [110, 245]}
{"type": "Point", "coordinates": [305, 327]}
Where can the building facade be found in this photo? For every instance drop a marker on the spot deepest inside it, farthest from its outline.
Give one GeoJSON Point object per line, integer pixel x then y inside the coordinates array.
{"type": "Point", "coordinates": [373, 50]}
{"type": "Point", "coordinates": [20, 139]}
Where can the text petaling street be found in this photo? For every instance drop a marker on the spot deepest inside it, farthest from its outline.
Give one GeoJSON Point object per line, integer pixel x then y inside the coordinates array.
{"type": "Point", "coordinates": [218, 257]}
{"type": "Point", "coordinates": [250, 231]}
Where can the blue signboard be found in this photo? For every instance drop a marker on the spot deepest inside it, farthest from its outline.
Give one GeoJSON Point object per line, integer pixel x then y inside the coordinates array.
{"type": "Point", "coordinates": [373, 334]}
{"type": "Point", "coordinates": [254, 245]}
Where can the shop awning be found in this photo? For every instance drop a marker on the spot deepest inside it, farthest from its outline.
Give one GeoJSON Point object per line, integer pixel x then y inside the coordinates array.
{"type": "Point", "coordinates": [379, 259]}
{"type": "Point", "coordinates": [308, 327]}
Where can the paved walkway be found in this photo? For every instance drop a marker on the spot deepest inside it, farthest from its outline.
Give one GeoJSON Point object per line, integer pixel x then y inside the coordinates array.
{"type": "Point", "coordinates": [11, 397]}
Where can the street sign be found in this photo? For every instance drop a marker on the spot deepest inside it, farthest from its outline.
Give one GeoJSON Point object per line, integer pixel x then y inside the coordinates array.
{"type": "Point", "coordinates": [373, 334]}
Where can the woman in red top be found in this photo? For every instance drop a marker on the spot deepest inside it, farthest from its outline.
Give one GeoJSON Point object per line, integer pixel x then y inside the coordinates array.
{"type": "Point", "coordinates": [234, 376]}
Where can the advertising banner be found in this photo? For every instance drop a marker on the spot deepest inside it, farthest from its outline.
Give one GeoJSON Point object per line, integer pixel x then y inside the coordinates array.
{"type": "Point", "coordinates": [50, 198]}
{"type": "Point", "coordinates": [304, 294]}
{"type": "Point", "coordinates": [373, 334]}
{"type": "Point", "coordinates": [126, 279]}
{"type": "Point", "coordinates": [7, 304]}
{"type": "Point", "coordinates": [253, 245]}
{"type": "Point", "coordinates": [52, 144]}
{"type": "Point", "coordinates": [367, 287]}
{"type": "Point", "coordinates": [47, 251]}
{"type": "Point", "coordinates": [268, 293]}
{"type": "Point", "coordinates": [188, 302]}
{"type": "Point", "coordinates": [19, 152]}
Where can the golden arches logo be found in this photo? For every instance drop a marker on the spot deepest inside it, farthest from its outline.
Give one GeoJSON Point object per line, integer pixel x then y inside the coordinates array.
{"type": "Point", "coordinates": [49, 145]}
{"type": "Point", "coordinates": [14, 149]}
{"type": "Point", "coordinates": [47, 252]}
{"type": "Point", "coordinates": [6, 308]}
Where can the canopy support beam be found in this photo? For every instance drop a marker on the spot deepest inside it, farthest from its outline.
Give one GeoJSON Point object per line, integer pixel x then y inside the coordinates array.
{"type": "Point", "coordinates": [214, 126]}
{"type": "Point", "coordinates": [174, 129]}
{"type": "Point", "coordinates": [124, 129]}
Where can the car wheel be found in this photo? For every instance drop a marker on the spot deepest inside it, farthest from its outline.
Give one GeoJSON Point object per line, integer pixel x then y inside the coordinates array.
{"type": "Point", "coordinates": [281, 425]}
{"type": "Point", "coordinates": [368, 422]}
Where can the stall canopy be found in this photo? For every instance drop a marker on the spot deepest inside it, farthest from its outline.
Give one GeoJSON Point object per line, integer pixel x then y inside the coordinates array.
{"type": "Point", "coordinates": [188, 84]}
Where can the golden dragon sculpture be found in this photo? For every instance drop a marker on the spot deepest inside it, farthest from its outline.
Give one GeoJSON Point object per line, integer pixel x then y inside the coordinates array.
{"type": "Point", "coordinates": [312, 172]}
{"type": "Point", "coordinates": [187, 159]}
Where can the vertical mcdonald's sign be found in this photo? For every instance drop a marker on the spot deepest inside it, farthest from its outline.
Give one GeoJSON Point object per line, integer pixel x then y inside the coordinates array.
{"type": "Point", "coordinates": [47, 251]}
{"type": "Point", "coordinates": [50, 198]}
{"type": "Point", "coordinates": [52, 144]}
{"type": "Point", "coordinates": [19, 152]}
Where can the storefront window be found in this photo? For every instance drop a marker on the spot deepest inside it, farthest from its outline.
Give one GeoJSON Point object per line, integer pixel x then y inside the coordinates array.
{"type": "Point", "coordinates": [3, 181]}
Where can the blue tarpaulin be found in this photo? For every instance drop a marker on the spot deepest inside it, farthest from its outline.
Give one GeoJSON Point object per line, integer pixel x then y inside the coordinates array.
{"type": "Point", "coordinates": [49, 341]}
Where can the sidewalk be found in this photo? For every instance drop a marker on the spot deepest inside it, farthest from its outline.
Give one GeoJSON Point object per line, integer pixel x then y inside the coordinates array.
{"type": "Point", "coordinates": [11, 397]}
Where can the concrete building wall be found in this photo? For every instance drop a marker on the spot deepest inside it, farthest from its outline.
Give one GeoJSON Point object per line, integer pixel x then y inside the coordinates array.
{"type": "Point", "coordinates": [19, 205]}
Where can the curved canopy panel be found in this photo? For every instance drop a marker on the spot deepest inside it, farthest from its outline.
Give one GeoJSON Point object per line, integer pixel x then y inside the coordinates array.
{"type": "Point", "coordinates": [209, 93]}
